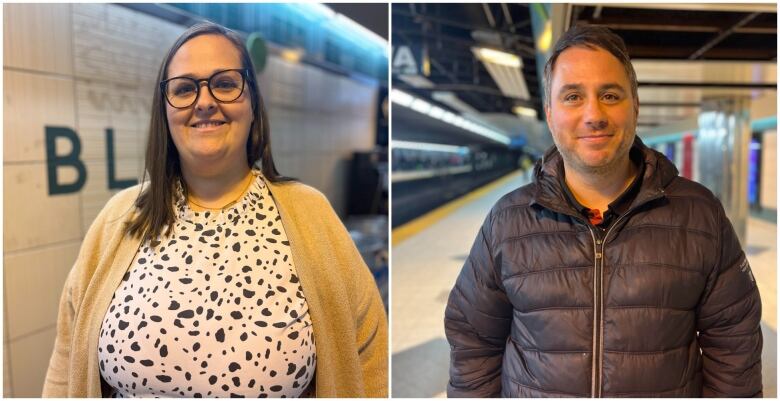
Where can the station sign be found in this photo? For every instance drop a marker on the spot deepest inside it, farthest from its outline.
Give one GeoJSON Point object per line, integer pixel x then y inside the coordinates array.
{"type": "Point", "coordinates": [55, 161]}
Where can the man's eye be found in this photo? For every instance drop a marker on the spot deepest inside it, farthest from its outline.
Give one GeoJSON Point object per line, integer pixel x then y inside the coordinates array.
{"type": "Point", "coordinates": [573, 97]}
{"type": "Point", "coordinates": [611, 97]}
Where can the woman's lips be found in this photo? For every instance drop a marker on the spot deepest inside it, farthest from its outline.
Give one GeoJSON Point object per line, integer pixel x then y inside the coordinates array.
{"type": "Point", "coordinates": [208, 126]}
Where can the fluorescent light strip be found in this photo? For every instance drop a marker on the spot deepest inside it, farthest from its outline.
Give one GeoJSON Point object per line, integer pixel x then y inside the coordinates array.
{"type": "Point", "coordinates": [499, 57]}
{"type": "Point", "coordinates": [423, 107]}
{"type": "Point", "coordinates": [432, 147]}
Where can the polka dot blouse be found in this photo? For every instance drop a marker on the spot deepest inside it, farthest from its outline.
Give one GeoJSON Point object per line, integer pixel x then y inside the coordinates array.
{"type": "Point", "coordinates": [213, 310]}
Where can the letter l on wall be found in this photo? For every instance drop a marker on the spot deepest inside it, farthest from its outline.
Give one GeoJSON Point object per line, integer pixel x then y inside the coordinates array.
{"type": "Point", "coordinates": [113, 183]}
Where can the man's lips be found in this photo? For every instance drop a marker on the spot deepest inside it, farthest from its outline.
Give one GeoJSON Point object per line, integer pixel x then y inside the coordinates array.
{"type": "Point", "coordinates": [597, 140]}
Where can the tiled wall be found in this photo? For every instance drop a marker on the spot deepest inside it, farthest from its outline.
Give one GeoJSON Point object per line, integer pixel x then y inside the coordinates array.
{"type": "Point", "coordinates": [89, 67]}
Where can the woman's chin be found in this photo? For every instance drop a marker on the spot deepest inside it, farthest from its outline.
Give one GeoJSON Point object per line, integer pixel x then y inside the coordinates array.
{"type": "Point", "coordinates": [207, 156]}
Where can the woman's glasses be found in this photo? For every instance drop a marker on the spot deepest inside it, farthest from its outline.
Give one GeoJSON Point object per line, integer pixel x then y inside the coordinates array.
{"type": "Point", "coordinates": [224, 86]}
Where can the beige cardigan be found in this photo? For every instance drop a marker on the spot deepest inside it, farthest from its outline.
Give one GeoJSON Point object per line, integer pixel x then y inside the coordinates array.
{"type": "Point", "coordinates": [350, 324]}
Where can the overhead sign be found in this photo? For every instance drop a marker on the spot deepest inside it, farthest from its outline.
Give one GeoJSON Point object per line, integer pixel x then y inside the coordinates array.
{"type": "Point", "coordinates": [404, 62]}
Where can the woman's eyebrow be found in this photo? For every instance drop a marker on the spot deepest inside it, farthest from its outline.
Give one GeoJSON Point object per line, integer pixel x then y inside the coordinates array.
{"type": "Point", "coordinates": [193, 76]}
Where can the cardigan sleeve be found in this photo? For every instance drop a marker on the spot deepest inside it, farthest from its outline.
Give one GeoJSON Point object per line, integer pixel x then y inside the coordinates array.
{"type": "Point", "coordinates": [107, 224]}
{"type": "Point", "coordinates": [371, 325]}
{"type": "Point", "coordinates": [368, 310]}
{"type": "Point", "coordinates": [56, 383]}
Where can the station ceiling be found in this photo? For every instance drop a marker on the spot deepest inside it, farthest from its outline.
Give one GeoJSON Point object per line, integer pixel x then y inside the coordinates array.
{"type": "Point", "coordinates": [683, 54]}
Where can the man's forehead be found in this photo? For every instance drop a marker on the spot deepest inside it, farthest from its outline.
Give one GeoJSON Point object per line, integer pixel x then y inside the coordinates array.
{"type": "Point", "coordinates": [581, 65]}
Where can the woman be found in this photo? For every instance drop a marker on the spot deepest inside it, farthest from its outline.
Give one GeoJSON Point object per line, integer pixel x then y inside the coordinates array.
{"type": "Point", "coordinates": [217, 278]}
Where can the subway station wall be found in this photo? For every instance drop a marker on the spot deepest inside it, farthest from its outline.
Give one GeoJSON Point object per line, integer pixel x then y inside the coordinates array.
{"type": "Point", "coordinates": [92, 68]}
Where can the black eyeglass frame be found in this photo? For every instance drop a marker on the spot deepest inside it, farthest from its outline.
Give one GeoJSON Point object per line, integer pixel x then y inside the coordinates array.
{"type": "Point", "coordinates": [244, 78]}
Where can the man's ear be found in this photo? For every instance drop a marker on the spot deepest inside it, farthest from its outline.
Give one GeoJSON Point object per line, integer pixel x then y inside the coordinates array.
{"type": "Point", "coordinates": [636, 108]}
{"type": "Point", "coordinates": [547, 114]}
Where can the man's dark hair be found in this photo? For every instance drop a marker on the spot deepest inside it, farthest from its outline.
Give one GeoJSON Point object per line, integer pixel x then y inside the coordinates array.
{"type": "Point", "coordinates": [155, 204]}
{"type": "Point", "coordinates": [591, 37]}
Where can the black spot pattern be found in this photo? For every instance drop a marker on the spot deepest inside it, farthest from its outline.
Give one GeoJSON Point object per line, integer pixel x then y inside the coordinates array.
{"type": "Point", "coordinates": [213, 310]}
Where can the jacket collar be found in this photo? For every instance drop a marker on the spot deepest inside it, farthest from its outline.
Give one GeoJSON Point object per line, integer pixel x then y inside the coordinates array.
{"type": "Point", "coordinates": [548, 193]}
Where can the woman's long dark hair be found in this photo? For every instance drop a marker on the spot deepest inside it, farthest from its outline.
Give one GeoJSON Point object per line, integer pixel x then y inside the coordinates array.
{"type": "Point", "coordinates": [155, 203]}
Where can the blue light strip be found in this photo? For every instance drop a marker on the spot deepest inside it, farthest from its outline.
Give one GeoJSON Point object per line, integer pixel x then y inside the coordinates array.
{"type": "Point", "coordinates": [326, 36]}
{"type": "Point", "coordinates": [762, 124]}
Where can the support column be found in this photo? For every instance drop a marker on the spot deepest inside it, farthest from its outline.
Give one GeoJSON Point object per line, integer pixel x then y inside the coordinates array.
{"type": "Point", "coordinates": [722, 146]}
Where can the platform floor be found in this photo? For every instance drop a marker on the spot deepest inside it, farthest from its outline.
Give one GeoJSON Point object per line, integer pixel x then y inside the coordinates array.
{"type": "Point", "coordinates": [426, 264]}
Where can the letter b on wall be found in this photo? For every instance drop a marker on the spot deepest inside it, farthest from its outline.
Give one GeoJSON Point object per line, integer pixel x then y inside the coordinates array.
{"type": "Point", "coordinates": [54, 161]}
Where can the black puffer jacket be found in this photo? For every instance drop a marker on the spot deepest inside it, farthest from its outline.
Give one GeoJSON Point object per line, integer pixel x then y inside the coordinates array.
{"type": "Point", "coordinates": [662, 304]}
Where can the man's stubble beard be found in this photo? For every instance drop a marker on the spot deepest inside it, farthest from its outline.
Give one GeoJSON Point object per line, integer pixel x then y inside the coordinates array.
{"type": "Point", "coordinates": [574, 162]}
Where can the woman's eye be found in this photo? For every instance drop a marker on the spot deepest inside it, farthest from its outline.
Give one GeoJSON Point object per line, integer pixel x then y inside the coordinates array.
{"type": "Point", "coordinates": [226, 84]}
{"type": "Point", "coordinates": [183, 90]}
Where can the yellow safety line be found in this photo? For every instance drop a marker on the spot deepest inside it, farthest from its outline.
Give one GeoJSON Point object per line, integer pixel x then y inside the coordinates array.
{"type": "Point", "coordinates": [413, 227]}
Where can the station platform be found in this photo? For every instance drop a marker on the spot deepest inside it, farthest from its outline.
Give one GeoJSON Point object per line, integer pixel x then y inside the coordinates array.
{"type": "Point", "coordinates": [428, 253]}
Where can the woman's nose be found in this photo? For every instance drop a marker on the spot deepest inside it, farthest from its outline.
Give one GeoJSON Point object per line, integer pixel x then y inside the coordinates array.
{"type": "Point", "coordinates": [205, 102]}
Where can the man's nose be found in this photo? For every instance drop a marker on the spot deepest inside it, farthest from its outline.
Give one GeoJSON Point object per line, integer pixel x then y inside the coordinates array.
{"type": "Point", "coordinates": [595, 116]}
{"type": "Point", "coordinates": [205, 102]}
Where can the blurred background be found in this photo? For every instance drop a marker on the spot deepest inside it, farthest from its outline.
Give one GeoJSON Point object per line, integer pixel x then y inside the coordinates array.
{"type": "Point", "coordinates": [78, 82]}
{"type": "Point", "coordinates": [468, 124]}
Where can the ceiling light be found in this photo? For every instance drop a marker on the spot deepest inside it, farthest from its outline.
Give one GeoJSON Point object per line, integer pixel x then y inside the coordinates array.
{"type": "Point", "coordinates": [499, 57]}
{"type": "Point", "coordinates": [452, 100]}
{"type": "Point", "coordinates": [292, 55]}
{"type": "Point", "coordinates": [544, 40]}
{"type": "Point", "coordinates": [506, 70]}
{"type": "Point", "coordinates": [433, 147]}
{"type": "Point", "coordinates": [416, 81]}
{"type": "Point", "coordinates": [524, 111]}
{"type": "Point", "coordinates": [423, 107]}
{"type": "Point", "coordinates": [436, 112]}
{"type": "Point", "coordinates": [402, 98]}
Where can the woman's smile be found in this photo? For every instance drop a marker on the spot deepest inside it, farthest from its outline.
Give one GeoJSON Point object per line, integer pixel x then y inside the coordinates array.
{"type": "Point", "coordinates": [208, 126]}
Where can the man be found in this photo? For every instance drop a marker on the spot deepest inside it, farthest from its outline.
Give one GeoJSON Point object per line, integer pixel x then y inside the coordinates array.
{"type": "Point", "coordinates": [609, 275]}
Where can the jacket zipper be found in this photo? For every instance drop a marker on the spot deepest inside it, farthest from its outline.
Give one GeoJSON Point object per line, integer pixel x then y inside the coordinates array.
{"type": "Point", "coordinates": [595, 372]}
{"type": "Point", "coordinates": [598, 282]}
{"type": "Point", "coordinates": [598, 307]}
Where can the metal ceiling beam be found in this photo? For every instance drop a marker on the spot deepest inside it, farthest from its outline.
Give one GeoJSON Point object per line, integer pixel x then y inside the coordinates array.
{"type": "Point", "coordinates": [508, 17]}
{"type": "Point", "coordinates": [489, 15]}
{"type": "Point", "coordinates": [454, 80]}
{"type": "Point", "coordinates": [639, 26]}
{"type": "Point", "coordinates": [729, 85]}
{"type": "Point", "coordinates": [733, 7]}
{"type": "Point", "coordinates": [723, 35]}
{"type": "Point", "coordinates": [668, 104]}
{"type": "Point", "coordinates": [673, 52]}
{"type": "Point", "coordinates": [462, 25]}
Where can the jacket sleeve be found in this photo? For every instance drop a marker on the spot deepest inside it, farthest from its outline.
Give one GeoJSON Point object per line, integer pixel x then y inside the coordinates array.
{"type": "Point", "coordinates": [56, 382]}
{"type": "Point", "coordinates": [477, 321]}
{"type": "Point", "coordinates": [728, 322]}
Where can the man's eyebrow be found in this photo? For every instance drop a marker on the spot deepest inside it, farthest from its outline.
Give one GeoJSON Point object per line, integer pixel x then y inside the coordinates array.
{"type": "Point", "coordinates": [604, 87]}
{"type": "Point", "coordinates": [569, 87]}
{"type": "Point", "coordinates": [612, 86]}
